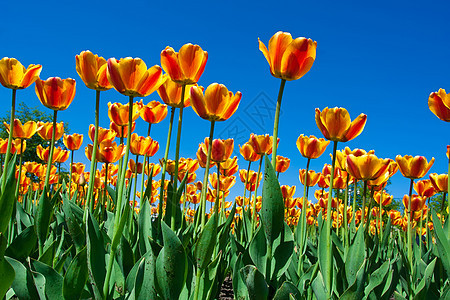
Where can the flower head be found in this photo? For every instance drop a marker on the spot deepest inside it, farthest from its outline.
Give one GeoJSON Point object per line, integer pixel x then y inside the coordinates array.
{"type": "Point", "coordinates": [13, 74]}
{"type": "Point", "coordinates": [439, 104]}
{"type": "Point", "coordinates": [46, 130]}
{"type": "Point", "coordinates": [248, 153]}
{"type": "Point", "coordinates": [413, 167]}
{"type": "Point", "coordinates": [56, 93]}
{"type": "Point", "coordinates": [217, 104]}
{"type": "Point", "coordinates": [310, 146]}
{"type": "Point", "coordinates": [185, 66]}
{"type": "Point", "coordinates": [24, 131]}
{"type": "Point", "coordinates": [118, 113]}
{"type": "Point", "coordinates": [92, 70]}
{"type": "Point", "coordinates": [73, 141]}
{"type": "Point", "coordinates": [367, 166]}
{"type": "Point", "coordinates": [154, 112]}
{"type": "Point", "coordinates": [336, 125]}
{"type": "Point", "coordinates": [289, 58]}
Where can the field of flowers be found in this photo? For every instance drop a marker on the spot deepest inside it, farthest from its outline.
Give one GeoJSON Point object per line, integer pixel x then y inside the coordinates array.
{"type": "Point", "coordinates": [130, 229]}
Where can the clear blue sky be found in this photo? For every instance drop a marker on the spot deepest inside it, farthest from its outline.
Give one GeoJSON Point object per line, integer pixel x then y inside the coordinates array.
{"type": "Point", "coordinates": [380, 58]}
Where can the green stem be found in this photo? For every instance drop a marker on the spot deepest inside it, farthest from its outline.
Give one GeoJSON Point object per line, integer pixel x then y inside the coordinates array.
{"type": "Point", "coordinates": [355, 186]}
{"type": "Point", "coordinates": [381, 216]}
{"type": "Point", "coordinates": [256, 192]}
{"type": "Point", "coordinates": [145, 165]}
{"type": "Point", "coordinates": [119, 206]}
{"type": "Point", "coordinates": [448, 201]}
{"type": "Point", "coordinates": [50, 156]}
{"type": "Point", "coordinates": [345, 220]}
{"type": "Point", "coordinates": [217, 204]}
{"type": "Point", "coordinates": [328, 228]}
{"type": "Point", "coordinates": [246, 182]}
{"type": "Point", "coordinates": [20, 170]}
{"type": "Point", "coordinates": [409, 234]}
{"type": "Point", "coordinates": [275, 125]}
{"type": "Point", "coordinates": [177, 155]}
{"type": "Point", "coordinates": [70, 172]}
{"type": "Point", "coordinates": [164, 166]}
{"type": "Point", "coordinates": [205, 178]}
{"type": "Point", "coordinates": [89, 203]}
{"type": "Point", "coordinates": [363, 214]}
{"type": "Point", "coordinates": [303, 221]}
{"type": "Point", "coordinates": [10, 137]}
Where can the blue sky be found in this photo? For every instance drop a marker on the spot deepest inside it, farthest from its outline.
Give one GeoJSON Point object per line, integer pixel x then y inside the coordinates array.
{"type": "Point", "coordinates": [382, 59]}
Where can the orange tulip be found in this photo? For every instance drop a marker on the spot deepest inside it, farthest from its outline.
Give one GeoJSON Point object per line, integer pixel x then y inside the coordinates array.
{"type": "Point", "coordinates": [129, 76]}
{"type": "Point", "coordinates": [13, 74]}
{"type": "Point", "coordinates": [439, 104]}
{"type": "Point", "coordinates": [248, 153]}
{"type": "Point", "coordinates": [154, 112]}
{"type": "Point", "coordinates": [413, 167]}
{"type": "Point", "coordinates": [73, 142]}
{"type": "Point", "coordinates": [289, 58]}
{"type": "Point", "coordinates": [92, 70]}
{"type": "Point", "coordinates": [252, 178]}
{"type": "Point", "coordinates": [217, 104]}
{"type": "Point", "coordinates": [140, 145]}
{"type": "Point", "coordinates": [424, 188]}
{"type": "Point", "coordinates": [311, 147]}
{"type": "Point", "coordinates": [341, 156]}
{"type": "Point", "coordinates": [56, 93]}
{"type": "Point", "coordinates": [262, 144]}
{"type": "Point", "coordinates": [108, 152]}
{"type": "Point", "coordinates": [78, 168]}
{"type": "Point", "coordinates": [311, 179]}
{"type": "Point", "coordinates": [43, 153]}
{"type": "Point", "coordinates": [366, 167]}
{"type": "Point", "coordinates": [154, 147]}
{"type": "Point", "coordinates": [417, 202]}
{"type": "Point", "coordinates": [440, 182]}
{"type": "Point", "coordinates": [221, 149]}
{"type": "Point", "coordinates": [19, 145]}
{"type": "Point", "coordinates": [386, 200]}
{"type": "Point", "coordinates": [118, 113]}
{"type": "Point", "coordinates": [336, 125]}
{"type": "Point", "coordinates": [282, 164]}
{"type": "Point", "coordinates": [202, 154]}
{"type": "Point", "coordinates": [151, 166]}
{"type": "Point", "coordinates": [170, 93]}
{"type": "Point", "coordinates": [133, 167]}
{"type": "Point", "coordinates": [46, 130]}
{"type": "Point", "coordinates": [121, 131]}
{"type": "Point", "coordinates": [226, 182]}
{"type": "Point", "coordinates": [103, 134]}
{"type": "Point", "coordinates": [229, 167]}
{"type": "Point", "coordinates": [24, 131]}
{"type": "Point", "coordinates": [185, 66]}
{"type": "Point", "coordinates": [288, 191]}
{"type": "Point", "coordinates": [63, 155]}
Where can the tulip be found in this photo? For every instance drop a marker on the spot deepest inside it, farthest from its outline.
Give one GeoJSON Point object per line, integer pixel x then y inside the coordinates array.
{"type": "Point", "coordinates": [56, 93]}
{"type": "Point", "coordinates": [217, 104]}
{"type": "Point", "coordinates": [73, 142]}
{"type": "Point", "coordinates": [248, 153]}
{"type": "Point", "coordinates": [154, 112]}
{"type": "Point", "coordinates": [103, 134]}
{"type": "Point", "coordinates": [424, 188]}
{"type": "Point", "coordinates": [366, 167]}
{"type": "Point", "coordinates": [25, 131]}
{"type": "Point", "coordinates": [120, 131]}
{"type": "Point", "coordinates": [92, 70]}
{"type": "Point", "coordinates": [185, 66]}
{"type": "Point", "coordinates": [221, 149]}
{"type": "Point", "coordinates": [289, 58]}
{"type": "Point", "coordinates": [108, 152]}
{"type": "Point", "coordinates": [170, 92]}
{"type": "Point", "coordinates": [439, 182]}
{"type": "Point", "coordinates": [439, 104]}
{"type": "Point", "coordinates": [311, 147]}
{"type": "Point", "coordinates": [46, 130]}
{"type": "Point", "coordinates": [282, 164]}
{"type": "Point", "coordinates": [311, 179]}
{"type": "Point", "coordinates": [413, 167]}
{"type": "Point", "coordinates": [262, 144]}
{"type": "Point", "coordinates": [118, 113]}
{"type": "Point", "coordinates": [383, 198]}
{"type": "Point", "coordinates": [229, 167]}
{"type": "Point", "coordinates": [140, 145]}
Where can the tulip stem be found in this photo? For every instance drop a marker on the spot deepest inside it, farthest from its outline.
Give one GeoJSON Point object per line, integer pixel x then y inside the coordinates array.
{"type": "Point", "coordinates": [120, 209]}
{"type": "Point", "coordinates": [363, 214]}
{"type": "Point", "coordinates": [164, 166]}
{"type": "Point", "coordinates": [205, 178]}
{"type": "Point", "coordinates": [328, 228]}
{"type": "Point", "coordinates": [145, 166]}
{"type": "Point", "coordinates": [275, 125]}
{"type": "Point", "coordinates": [217, 204]}
{"type": "Point", "coordinates": [380, 214]}
{"type": "Point", "coordinates": [256, 192]}
{"type": "Point", "coordinates": [246, 182]}
{"type": "Point", "coordinates": [11, 129]}
{"type": "Point", "coordinates": [93, 157]}
{"type": "Point", "coordinates": [20, 170]}
{"type": "Point", "coordinates": [70, 171]}
{"type": "Point", "coordinates": [409, 233]}
{"type": "Point", "coordinates": [303, 221]}
{"type": "Point", "coordinates": [50, 155]}
{"type": "Point", "coordinates": [448, 192]}
{"type": "Point", "coordinates": [177, 155]}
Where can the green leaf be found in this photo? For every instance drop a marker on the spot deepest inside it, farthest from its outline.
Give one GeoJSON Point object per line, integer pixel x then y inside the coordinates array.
{"type": "Point", "coordinates": [7, 198]}
{"type": "Point", "coordinates": [272, 210]}
{"type": "Point", "coordinates": [256, 285]}
{"type": "Point", "coordinates": [377, 277]}
{"type": "Point", "coordinates": [356, 290]}
{"type": "Point", "coordinates": [282, 254]}
{"type": "Point", "coordinates": [224, 232]}
{"type": "Point", "coordinates": [53, 281]}
{"type": "Point", "coordinates": [23, 245]}
{"type": "Point", "coordinates": [239, 287]}
{"type": "Point", "coordinates": [206, 242]}
{"type": "Point", "coordinates": [208, 282]}
{"type": "Point", "coordinates": [355, 259]}
{"type": "Point", "coordinates": [323, 258]}
{"type": "Point", "coordinates": [144, 286]}
{"type": "Point", "coordinates": [171, 265]}
{"type": "Point", "coordinates": [318, 286]}
{"type": "Point", "coordinates": [23, 284]}
{"type": "Point", "coordinates": [76, 276]}
{"type": "Point", "coordinates": [145, 227]}
{"type": "Point", "coordinates": [285, 290]}
{"type": "Point", "coordinates": [73, 226]}
{"type": "Point", "coordinates": [258, 250]}
{"type": "Point", "coordinates": [95, 255]}
{"type": "Point", "coordinates": [6, 270]}
{"type": "Point", "coordinates": [125, 256]}
{"type": "Point", "coordinates": [422, 288]}
{"type": "Point", "coordinates": [442, 243]}
{"type": "Point", "coordinates": [43, 216]}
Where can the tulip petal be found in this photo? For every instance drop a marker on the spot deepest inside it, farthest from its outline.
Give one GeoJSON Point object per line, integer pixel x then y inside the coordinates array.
{"type": "Point", "coordinates": [356, 127]}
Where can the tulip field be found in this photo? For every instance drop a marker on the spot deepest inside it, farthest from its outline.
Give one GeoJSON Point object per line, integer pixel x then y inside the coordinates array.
{"type": "Point", "coordinates": [124, 228]}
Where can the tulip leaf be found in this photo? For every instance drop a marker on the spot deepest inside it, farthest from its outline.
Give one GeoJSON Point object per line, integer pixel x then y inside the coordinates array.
{"type": "Point", "coordinates": [422, 288]}
{"type": "Point", "coordinates": [356, 289]}
{"type": "Point", "coordinates": [7, 198]}
{"type": "Point", "coordinates": [125, 256]}
{"type": "Point", "coordinates": [76, 276]}
{"type": "Point", "coordinates": [206, 243]}
{"type": "Point", "coordinates": [256, 285]}
{"type": "Point", "coordinates": [43, 216]}
{"type": "Point", "coordinates": [239, 287]}
{"type": "Point", "coordinates": [23, 284]}
{"type": "Point", "coordinates": [258, 250]}
{"type": "Point", "coordinates": [272, 210]}
{"type": "Point", "coordinates": [355, 259]}
{"type": "Point", "coordinates": [73, 226]}
{"type": "Point", "coordinates": [377, 277]}
{"type": "Point", "coordinates": [6, 270]}
{"type": "Point", "coordinates": [208, 281]}
{"type": "Point", "coordinates": [171, 265]}
{"type": "Point", "coordinates": [53, 280]}
{"type": "Point", "coordinates": [224, 232]}
{"type": "Point", "coordinates": [442, 243]}
{"type": "Point", "coordinates": [23, 245]}
{"type": "Point", "coordinates": [282, 254]}
{"type": "Point", "coordinates": [148, 189]}
{"type": "Point", "coordinates": [95, 254]}
{"type": "Point", "coordinates": [285, 290]}
{"type": "Point", "coordinates": [322, 254]}
{"type": "Point", "coordinates": [318, 286]}
{"type": "Point", "coordinates": [145, 227]}
{"type": "Point", "coordinates": [144, 286]}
